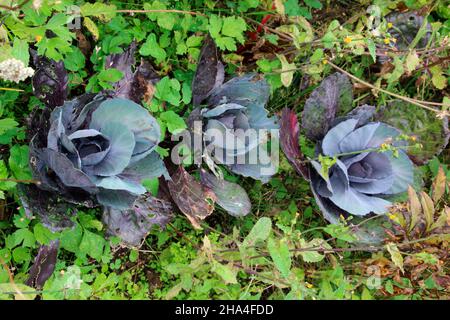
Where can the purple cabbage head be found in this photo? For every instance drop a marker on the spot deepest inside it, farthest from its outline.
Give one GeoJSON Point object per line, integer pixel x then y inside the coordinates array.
{"type": "Point", "coordinates": [362, 177]}
{"type": "Point", "coordinates": [98, 147]}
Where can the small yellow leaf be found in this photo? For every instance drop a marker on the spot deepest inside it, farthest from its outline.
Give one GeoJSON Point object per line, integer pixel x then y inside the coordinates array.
{"type": "Point", "coordinates": [441, 221]}
{"type": "Point", "coordinates": [412, 61]}
{"type": "Point", "coordinates": [396, 256]}
{"type": "Point", "coordinates": [439, 185]}
{"type": "Point", "coordinates": [279, 5]}
{"type": "Point", "coordinates": [438, 79]}
{"type": "Point", "coordinates": [92, 27]}
{"type": "Point", "coordinates": [287, 71]}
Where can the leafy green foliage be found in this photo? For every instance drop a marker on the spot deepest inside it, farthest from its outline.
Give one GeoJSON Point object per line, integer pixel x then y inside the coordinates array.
{"type": "Point", "coordinates": [281, 248]}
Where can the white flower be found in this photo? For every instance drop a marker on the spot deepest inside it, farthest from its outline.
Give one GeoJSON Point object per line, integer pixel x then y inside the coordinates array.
{"type": "Point", "coordinates": [15, 70]}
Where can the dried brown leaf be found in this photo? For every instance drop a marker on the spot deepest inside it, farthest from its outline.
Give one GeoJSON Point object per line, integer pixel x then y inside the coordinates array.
{"type": "Point", "coordinates": [192, 199]}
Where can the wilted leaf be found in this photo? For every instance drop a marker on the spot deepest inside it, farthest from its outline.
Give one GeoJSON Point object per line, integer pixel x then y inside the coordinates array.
{"type": "Point", "coordinates": [287, 71]}
{"type": "Point", "coordinates": [230, 196]}
{"type": "Point", "coordinates": [438, 78]}
{"type": "Point", "coordinates": [439, 185]}
{"type": "Point", "coordinates": [428, 208]}
{"type": "Point", "coordinates": [412, 61]}
{"type": "Point", "coordinates": [279, 252]}
{"type": "Point", "coordinates": [132, 225]}
{"type": "Point", "coordinates": [44, 265]}
{"type": "Point", "coordinates": [144, 80]}
{"type": "Point", "coordinates": [334, 94]}
{"type": "Point", "coordinates": [209, 74]}
{"type": "Point", "coordinates": [92, 27]}
{"type": "Point", "coordinates": [414, 207]}
{"type": "Point", "coordinates": [430, 131]}
{"type": "Point", "coordinates": [289, 140]}
{"type": "Point", "coordinates": [53, 213]}
{"type": "Point", "coordinates": [396, 256]}
{"type": "Point", "coordinates": [191, 198]}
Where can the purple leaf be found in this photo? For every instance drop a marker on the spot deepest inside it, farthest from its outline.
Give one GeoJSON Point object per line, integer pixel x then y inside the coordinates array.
{"type": "Point", "coordinates": [134, 85]}
{"type": "Point", "coordinates": [123, 62]}
{"type": "Point", "coordinates": [50, 81]}
{"type": "Point", "coordinates": [134, 224]}
{"type": "Point", "coordinates": [334, 94]}
{"type": "Point", "coordinates": [210, 72]}
{"type": "Point", "coordinates": [289, 137]}
{"type": "Point", "coordinates": [192, 199]}
{"type": "Point", "coordinates": [144, 81]}
{"type": "Point", "coordinates": [44, 265]}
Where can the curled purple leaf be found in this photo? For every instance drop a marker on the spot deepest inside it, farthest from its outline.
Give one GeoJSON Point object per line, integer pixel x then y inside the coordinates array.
{"type": "Point", "coordinates": [332, 95]}
{"type": "Point", "coordinates": [210, 72]}
{"type": "Point", "coordinates": [123, 62]}
{"type": "Point", "coordinates": [289, 140]}
{"type": "Point", "coordinates": [44, 265]}
{"type": "Point", "coordinates": [50, 81]}
{"type": "Point", "coordinates": [132, 225]}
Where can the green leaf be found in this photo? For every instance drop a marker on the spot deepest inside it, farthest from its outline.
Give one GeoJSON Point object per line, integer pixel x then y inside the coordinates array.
{"type": "Point", "coordinates": [313, 256]}
{"type": "Point", "coordinates": [99, 10]}
{"type": "Point", "coordinates": [26, 237]}
{"type": "Point", "coordinates": [20, 51]}
{"type": "Point", "coordinates": [18, 162]}
{"type": "Point", "coordinates": [7, 124]}
{"type": "Point", "coordinates": [152, 48]}
{"type": "Point", "coordinates": [166, 90]}
{"type": "Point", "coordinates": [173, 121]}
{"type": "Point", "coordinates": [372, 49]}
{"type": "Point", "coordinates": [165, 20]}
{"type": "Point", "coordinates": [215, 25]}
{"type": "Point", "coordinates": [21, 254]}
{"type": "Point", "coordinates": [110, 75]}
{"type": "Point", "coordinates": [43, 235]}
{"type": "Point", "coordinates": [234, 27]}
{"type": "Point", "coordinates": [74, 60]}
{"type": "Point", "coordinates": [5, 185]}
{"type": "Point", "coordinates": [226, 272]}
{"type": "Point", "coordinates": [92, 244]}
{"type": "Point", "coordinates": [279, 252]}
{"type": "Point", "coordinates": [71, 239]}
{"type": "Point", "coordinates": [226, 43]}
{"type": "Point", "coordinates": [313, 4]}
{"type": "Point", "coordinates": [259, 233]}
{"type": "Point", "coordinates": [292, 8]}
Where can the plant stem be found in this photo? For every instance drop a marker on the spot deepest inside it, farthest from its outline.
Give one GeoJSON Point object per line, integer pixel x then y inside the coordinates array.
{"type": "Point", "coordinates": [418, 103]}
{"type": "Point", "coordinates": [162, 11]}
